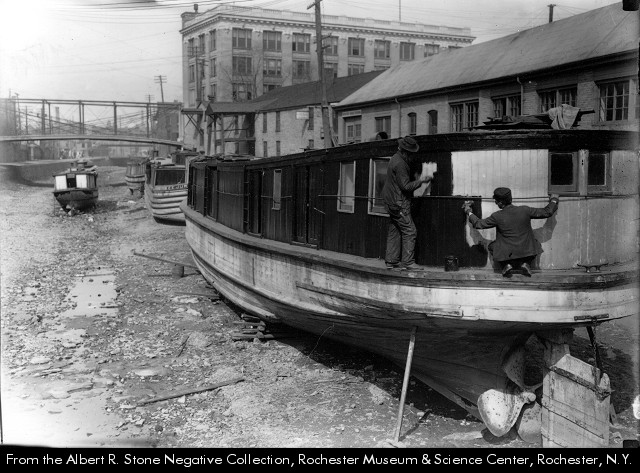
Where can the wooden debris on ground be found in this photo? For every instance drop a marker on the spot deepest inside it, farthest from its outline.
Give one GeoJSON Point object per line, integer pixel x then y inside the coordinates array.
{"type": "Point", "coordinates": [184, 392]}
{"type": "Point", "coordinates": [251, 327]}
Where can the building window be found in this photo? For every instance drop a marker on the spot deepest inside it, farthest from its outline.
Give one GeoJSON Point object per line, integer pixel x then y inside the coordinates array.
{"type": "Point", "coordinates": [277, 148]}
{"type": "Point", "coordinates": [331, 70]}
{"type": "Point", "coordinates": [377, 177]}
{"type": "Point", "coordinates": [347, 187]}
{"type": "Point", "coordinates": [264, 123]}
{"type": "Point", "coordinates": [272, 67]}
{"type": "Point", "coordinates": [201, 44]}
{"type": "Point", "coordinates": [272, 40]}
{"type": "Point", "coordinates": [464, 116]}
{"type": "Point", "coordinates": [353, 130]}
{"type": "Point", "coordinates": [241, 66]}
{"type": "Point", "coordinates": [236, 147]}
{"type": "Point", "coordinates": [311, 144]}
{"type": "Point", "coordinates": [432, 118]}
{"type": "Point", "coordinates": [213, 67]}
{"type": "Point", "coordinates": [330, 45]}
{"type": "Point", "coordinates": [383, 124]}
{"type": "Point", "coordinates": [265, 149]}
{"type": "Point", "coordinates": [407, 51]}
{"type": "Point", "coordinates": [192, 73]}
{"type": "Point", "coordinates": [356, 46]}
{"type": "Point", "coordinates": [277, 121]}
{"type": "Point", "coordinates": [381, 49]}
{"type": "Point", "coordinates": [509, 105]}
{"type": "Point", "coordinates": [213, 44]}
{"type": "Point", "coordinates": [241, 92]}
{"type": "Point", "coordinates": [301, 69]}
{"type": "Point", "coordinates": [355, 69]}
{"type": "Point", "coordinates": [380, 67]}
{"type": "Point", "coordinates": [214, 90]}
{"type": "Point", "coordinates": [191, 47]}
{"type": "Point", "coordinates": [311, 124]}
{"type": "Point", "coordinates": [236, 125]}
{"type": "Point", "coordinates": [553, 98]}
{"type": "Point", "coordinates": [614, 101]}
{"type": "Point", "coordinates": [413, 123]}
{"type": "Point", "coordinates": [241, 38]}
{"type": "Point", "coordinates": [431, 49]}
{"type": "Point", "coordinates": [301, 43]}
{"type": "Point", "coordinates": [192, 96]}
{"type": "Point", "coordinates": [269, 87]}
{"type": "Point", "coordinates": [277, 189]}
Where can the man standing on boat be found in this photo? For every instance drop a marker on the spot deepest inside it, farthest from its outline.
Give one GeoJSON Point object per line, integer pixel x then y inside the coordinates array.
{"type": "Point", "coordinates": [396, 195]}
{"type": "Point", "coordinates": [515, 245]}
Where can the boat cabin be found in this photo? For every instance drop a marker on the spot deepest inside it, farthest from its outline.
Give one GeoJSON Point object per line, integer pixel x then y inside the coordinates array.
{"type": "Point", "coordinates": [330, 199]}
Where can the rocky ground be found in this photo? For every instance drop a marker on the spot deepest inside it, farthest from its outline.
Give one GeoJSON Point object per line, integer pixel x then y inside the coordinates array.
{"type": "Point", "coordinates": [102, 347]}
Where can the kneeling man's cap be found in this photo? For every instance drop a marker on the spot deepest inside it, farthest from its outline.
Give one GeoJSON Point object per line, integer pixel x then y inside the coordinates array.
{"type": "Point", "coordinates": [502, 193]}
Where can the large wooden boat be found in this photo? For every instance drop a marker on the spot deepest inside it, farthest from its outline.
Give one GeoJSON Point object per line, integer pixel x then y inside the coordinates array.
{"type": "Point", "coordinates": [300, 240]}
{"type": "Point", "coordinates": [135, 175]}
{"type": "Point", "coordinates": [76, 188]}
{"type": "Point", "coordinates": [166, 185]}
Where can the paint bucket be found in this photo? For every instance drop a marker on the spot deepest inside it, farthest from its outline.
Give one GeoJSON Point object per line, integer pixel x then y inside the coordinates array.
{"type": "Point", "coordinates": [451, 263]}
{"type": "Point", "coordinates": [177, 271]}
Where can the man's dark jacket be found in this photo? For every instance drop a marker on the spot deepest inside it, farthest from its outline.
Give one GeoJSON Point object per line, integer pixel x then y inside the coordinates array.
{"type": "Point", "coordinates": [398, 188]}
{"type": "Point", "coordinates": [514, 235]}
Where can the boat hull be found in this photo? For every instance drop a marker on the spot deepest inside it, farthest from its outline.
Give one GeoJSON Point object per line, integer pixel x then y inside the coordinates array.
{"type": "Point", "coordinates": [164, 201]}
{"type": "Point", "coordinates": [468, 322]}
{"type": "Point", "coordinates": [78, 199]}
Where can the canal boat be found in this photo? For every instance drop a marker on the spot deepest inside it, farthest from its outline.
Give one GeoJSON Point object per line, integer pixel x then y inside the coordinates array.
{"type": "Point", "coordinates": [76, 188]}
{"type": "Point", "coordinates": [135, 176]}
{"type": "Point", "coordinates": [300, 240]}
{"type": "Point", "coordinates": [166, 185]}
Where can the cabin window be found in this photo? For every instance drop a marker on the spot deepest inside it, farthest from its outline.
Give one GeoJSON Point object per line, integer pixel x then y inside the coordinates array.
{"type": "Point", "coordinates": [433, 122]}
{"type": "Point", "coordinates": [563, 172]}
{"type": "Point", "coordinates": [347, 187]}
{"type": "Point", "coordinates": [277, 189]}
{"type": "Point", "coordinates": [383, 124]}
{"type": "Point", "coordinates": [413, 123]}
{"type": "Point", "coordinates": [614, 101]}
{"type": "Point", "coordinates": [584, 172]}
{"type": "Point", "coordinates": [377, 177]}
{"type": "Point", "coordinates": [81, 181]}
{"type": "Point", "coordinates": [311, 144]}
{"type": "Point", "coordinates": [598, 172]}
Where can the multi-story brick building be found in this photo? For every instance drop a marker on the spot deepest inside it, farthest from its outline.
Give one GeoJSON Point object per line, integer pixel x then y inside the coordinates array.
{"type": "Point", "coordinates": [234, 54]}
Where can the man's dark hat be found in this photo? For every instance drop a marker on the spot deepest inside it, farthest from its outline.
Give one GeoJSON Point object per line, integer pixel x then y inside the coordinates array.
{"type": "Point", "coordinates": [502, 193]}
{"type": "Point", "coordinates": [409, 144]}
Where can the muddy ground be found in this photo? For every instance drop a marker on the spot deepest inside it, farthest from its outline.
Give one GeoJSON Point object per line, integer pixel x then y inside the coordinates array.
{"type": "Point", "coordinates": [104, 348]}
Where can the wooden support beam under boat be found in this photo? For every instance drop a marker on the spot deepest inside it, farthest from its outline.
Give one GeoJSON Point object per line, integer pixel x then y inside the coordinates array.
{"type": "Point", "coordinates": [405, 382]}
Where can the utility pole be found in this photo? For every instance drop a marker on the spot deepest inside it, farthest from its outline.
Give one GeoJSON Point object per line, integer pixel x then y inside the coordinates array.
{"type": "Point", "coordinates": [551, 12]}
{"type": "Point", "coordinates": [326, 125]}
{"type": "Point", "coordinates": [161, 80]}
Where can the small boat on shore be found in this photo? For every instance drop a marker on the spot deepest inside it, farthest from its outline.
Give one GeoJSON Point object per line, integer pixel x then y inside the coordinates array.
{"type": "Point", "coordinates": [300, 240]}
{"type": "Point", "coordinates": [166, 185]}
{"type": "Point", "coordinates": [135, 175]}
{"type": "Point", "coordinates": [76, 188]}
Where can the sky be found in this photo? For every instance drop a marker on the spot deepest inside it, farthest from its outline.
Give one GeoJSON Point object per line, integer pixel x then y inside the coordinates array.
{"type": "Point", "coordinates": [120, 50]}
